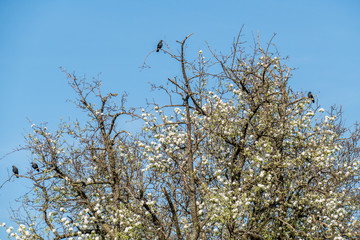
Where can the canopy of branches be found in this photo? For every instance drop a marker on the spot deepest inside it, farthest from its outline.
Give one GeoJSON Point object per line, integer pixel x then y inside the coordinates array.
{"type": "Point", "coordinates": [234, 154]}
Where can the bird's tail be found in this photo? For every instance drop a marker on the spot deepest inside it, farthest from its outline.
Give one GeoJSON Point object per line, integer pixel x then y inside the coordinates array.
{"type": "Point", "coordinates": [157, 50]}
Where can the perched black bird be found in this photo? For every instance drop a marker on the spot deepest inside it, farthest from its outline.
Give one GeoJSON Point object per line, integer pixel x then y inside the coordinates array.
{"type": "Point", "coordinates": [159, 46]}
{"type": "Point", "coordinates": [311, 97]}
{"type": "Point", "coordinates": [35, 166]}
{"type": "Point", "coordinates": [15, 171]}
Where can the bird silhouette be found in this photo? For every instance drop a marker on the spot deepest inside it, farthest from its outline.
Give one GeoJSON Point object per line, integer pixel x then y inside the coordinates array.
{"type": "Point", "coordinates": [35, 166]}
{"type": "Point", "coordinates": [159, 46]}
{"type": "Point", "coordinates": [311, 97]}
{"type": "Point", "coordinates": [15, 171]}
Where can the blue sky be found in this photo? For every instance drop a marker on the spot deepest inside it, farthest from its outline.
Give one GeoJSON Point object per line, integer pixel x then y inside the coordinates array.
{"type": "Point", "coordinates": [113, 38]}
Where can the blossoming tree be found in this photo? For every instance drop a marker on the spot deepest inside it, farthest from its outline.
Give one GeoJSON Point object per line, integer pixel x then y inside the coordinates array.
{"type": "Point", "coordinates": [234, 154]}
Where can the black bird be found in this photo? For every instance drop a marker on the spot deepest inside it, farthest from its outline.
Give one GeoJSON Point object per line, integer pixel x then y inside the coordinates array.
{"type": "Point", "coordinates": [311, 97]}
{"type": "Point", "coordinates": [35, 166]}
{"type": "Point", "coordinates": [15, 171]}
{"type": "Point", "coordinates": [159, 46]}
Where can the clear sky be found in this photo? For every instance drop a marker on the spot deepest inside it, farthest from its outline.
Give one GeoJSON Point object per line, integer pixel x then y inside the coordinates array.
{"type": "Point", "coordinates": [113, 38]}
